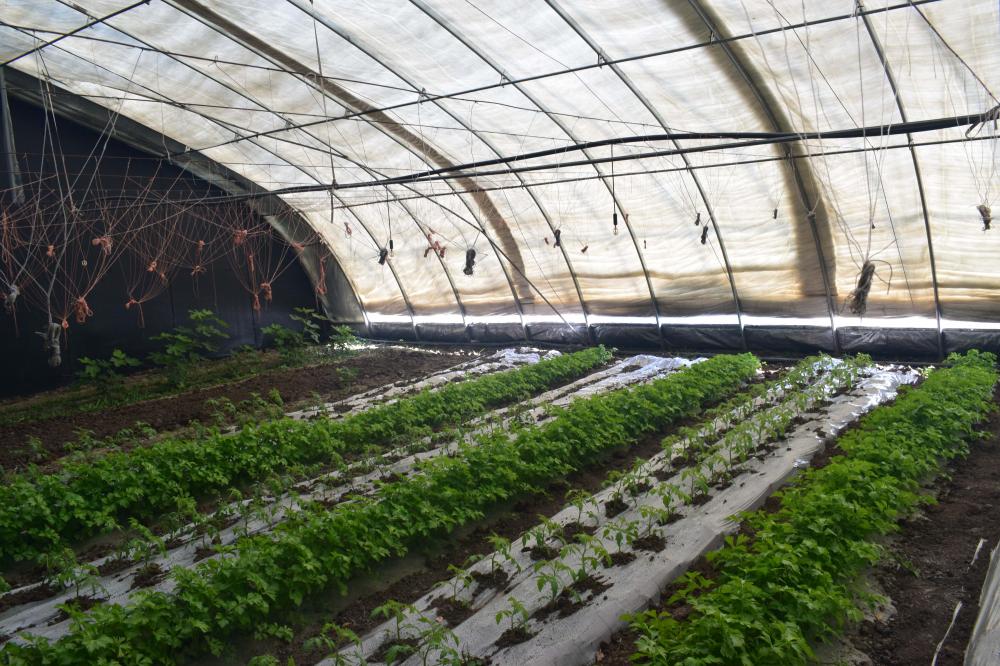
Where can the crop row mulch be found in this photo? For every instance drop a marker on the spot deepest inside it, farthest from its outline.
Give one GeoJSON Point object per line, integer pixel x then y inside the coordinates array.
{"type": "Point", "coordinates": [928, 569]}
{"type": "Point", "coordinates": [369, 369]}
{"type": "Point", "coordinates": [508, 522]}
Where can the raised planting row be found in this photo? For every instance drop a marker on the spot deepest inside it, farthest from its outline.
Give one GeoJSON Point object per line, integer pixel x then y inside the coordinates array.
{"type": "Point", "coordinates": [500, 360]}
{"type": "Point", "coordinates": [41, 511]}
{"type": "Point", "coordinates": [319, 548]}
{"type": "Point", "coordinates": [789, 579]}
{"type": "Point", "coordinates": [141, 561]}
{"type": "Point", "coordinates": [525, 589]}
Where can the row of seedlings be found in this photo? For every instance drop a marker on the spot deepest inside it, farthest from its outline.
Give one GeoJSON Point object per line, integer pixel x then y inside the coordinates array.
{"type": "Point", "coordinates": [318, 548]}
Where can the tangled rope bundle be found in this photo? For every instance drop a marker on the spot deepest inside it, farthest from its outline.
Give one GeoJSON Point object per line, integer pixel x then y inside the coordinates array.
{"type": "Point", "coordinates": [857, 302]}
{"type": "Point", "coordinates": [321, 282]}
{"type": "Point", "coordinates": [986, 213]}
{"type": "Point", "coordinates": [81, 310]}
{"type": "Point", "coordinates": [104, 242]}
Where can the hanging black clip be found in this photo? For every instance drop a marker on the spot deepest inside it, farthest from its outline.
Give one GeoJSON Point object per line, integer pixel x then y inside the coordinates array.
{"type": "Point", "coordinates": [704, 234]}
{"type": "Point", "coordinates": [470, 261]}
{"type": "Point", "coordinates": [391, 248]}
{"type": "Point", "coordinates": [614, 223]}
{"type": "Point", "coordinates": [697, 219]}
{"type": "Point", "coordinates": [382, 256]}
{"type": "Point", "coordinates": [557, 233]}
{"type": "Point", "coordinates": [774, 215]}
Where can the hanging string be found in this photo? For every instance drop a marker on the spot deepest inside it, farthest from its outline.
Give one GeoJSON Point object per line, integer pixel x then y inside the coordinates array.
{"type": "Point", "coordinates": [614, 201]}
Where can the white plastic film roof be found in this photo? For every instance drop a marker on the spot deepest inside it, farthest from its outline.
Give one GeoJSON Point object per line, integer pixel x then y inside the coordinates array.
{"type": "Point", "coordinates": [289, 93]}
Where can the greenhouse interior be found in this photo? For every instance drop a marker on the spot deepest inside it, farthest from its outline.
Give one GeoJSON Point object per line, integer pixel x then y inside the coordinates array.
{"type": "Point", "coordinates": [499, 332]}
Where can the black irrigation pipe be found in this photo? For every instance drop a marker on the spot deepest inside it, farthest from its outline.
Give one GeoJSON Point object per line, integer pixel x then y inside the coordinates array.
{"type": "Point", "coordinates": [693, 167]}
{"type": "Point", "coordinates": [751, 139]}
{"type": "Point", "coordinates": [407, 179]}
{"type": "Point", "coordinates": [746, 139]}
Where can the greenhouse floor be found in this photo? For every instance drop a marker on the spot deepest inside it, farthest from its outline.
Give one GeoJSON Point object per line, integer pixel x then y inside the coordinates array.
{"type": "Point", "coordinates": [370, 369]}
{"type": "Point", "coordinates": [929, 570]}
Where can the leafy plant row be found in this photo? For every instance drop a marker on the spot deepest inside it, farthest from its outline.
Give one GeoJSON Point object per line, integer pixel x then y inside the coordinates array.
{"type": "Point", "coordinates": [41, 511]}
{"type": "Point", "coordinates": [791, 582]}
{"type": "Point", "coordinates": [318, 548]}
{"type": "Point", "coordinates": [563, 563]}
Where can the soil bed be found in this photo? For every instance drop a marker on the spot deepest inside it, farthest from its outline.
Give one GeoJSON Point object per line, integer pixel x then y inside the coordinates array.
{"type": "Point", "coordinates": [371, 368]}
{"type": "Point", "coordinates": [929, 571]}
{"type": "Point", "coordinates": [509, 524]}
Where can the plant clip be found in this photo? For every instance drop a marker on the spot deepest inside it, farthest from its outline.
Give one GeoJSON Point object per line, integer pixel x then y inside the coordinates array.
{"type": "Point", "coordinates": [470, 261]}
{"type": "Point", "coordinates": [382, 255]}
{"type": "Point", "coordinates": [704, 234]}
{"type": "Point", "coordinates": [774, 215]}
{"type": "Point", "coordinates": [614, 223]}
{"type": "Point", "coordinates": [697, 219]}
{"type": "Point", "coordinates": [986, 214]}
{"type": "Point", "coordinates": [558, 233]}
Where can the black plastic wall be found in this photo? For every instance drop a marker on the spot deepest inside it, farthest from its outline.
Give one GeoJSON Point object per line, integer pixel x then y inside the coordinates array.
{"type": "Point", "coordinates": [22, 361]}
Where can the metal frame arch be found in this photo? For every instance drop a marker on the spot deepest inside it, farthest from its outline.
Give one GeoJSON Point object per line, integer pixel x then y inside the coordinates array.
{"type": "Point", "coordinates": [325, 89]}
{"type": "Point", "coordinates": [751, 78]}
{"type": "Point", "coordinates": [578, 29]}
{"type": "Point", "coordinates": [558, 123]}
{"type": "Point", "coordinates": [877, 44]}
{"type": "Point", "coordinates": [95, 116]}
{"type": "Point", "coordinates": [406, 299]}
{"type": "Point", "coordinates": [306, 79]}
{"type": "Point", "coordinates": [434, 16]}
{"type": "Point", "coordinates": [351, 282]}
{"type": "Point", "coordinates": [351, 39]}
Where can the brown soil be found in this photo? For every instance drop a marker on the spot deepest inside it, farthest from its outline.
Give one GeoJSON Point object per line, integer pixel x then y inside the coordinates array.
{"type": "Point", "coordinates": [373, 368]}
{"type": "Point", "coordinates": [572, 599]}
{"type": "Point", "coordinates": [622, 557]}
{"type": "Point", "coordinates": [929, 572]}
{"type": "Point", "coordinates": [615, 506]}
{"type": "Point", "coordinates": [81, 603]}
{"type": "Point", "coordinates": [453, 612]}
{"type": "Point", "coordinates": [496, 579]}
{"type": "Point", "coordinates": [513, 637]}
{"type": "Point", "coordinates": [652, 543]}
{"type": "Point", "coordinates": [148, 575]}
{"type": "Point", "coordinates": [26, 596]}
{"type": "Point", "coordinates": [404, 647]}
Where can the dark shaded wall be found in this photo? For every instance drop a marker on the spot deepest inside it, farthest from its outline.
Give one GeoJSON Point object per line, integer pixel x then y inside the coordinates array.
{"type": "Point", "coordinates": [23, 365]}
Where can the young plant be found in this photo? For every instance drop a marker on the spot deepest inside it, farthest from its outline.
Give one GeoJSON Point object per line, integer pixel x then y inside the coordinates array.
{"type": "Point", "coordinates": [438, 643]}
{"type": "Point", "coordinates": [65, 572]}
{"type": "Point", "coordinates": [549, 575]}
{"type": "Point", "coordinates": [501, 554]}
{"type": "Point", "coordinates": [579, 499]}
{"type": "Point", "coordinates": [460, 581]}
{"type": "Point", "coordinates": [332, 640]}
{"type": "Point", "coordinates": [145, 546]}
{"type": "Point", "coordinates": [397, 612]}
{"type": "Point", "coordinates": [593, 556]}
{"type": "Point", "coordinates": [516, 615]}
{"type": "Point", "coordinates": [622, 532]}
{"type": "Point", "coordinates": [187, 345]}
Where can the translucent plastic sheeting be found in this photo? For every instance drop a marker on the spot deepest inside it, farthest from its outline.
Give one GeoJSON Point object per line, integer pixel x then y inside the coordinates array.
{"type": "Point", "coordinates": [984, 644]}
{"type": "Point", "coordinates": [786, 237]}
